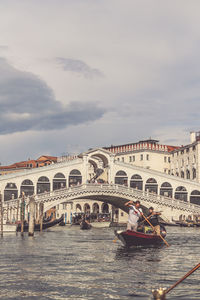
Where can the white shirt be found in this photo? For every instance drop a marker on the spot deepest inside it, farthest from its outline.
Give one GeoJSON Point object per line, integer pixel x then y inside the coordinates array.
{"type": "Point", "coordinates": [134, 214]}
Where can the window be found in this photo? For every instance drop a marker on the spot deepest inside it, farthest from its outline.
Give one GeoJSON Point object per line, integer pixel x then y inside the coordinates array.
{"type": "Point", "coordinates": [141, 156]}
{"type": "Point", "coordinates": [165, 159]}
{"type": "Point", "coordinates": [130, 158]}
{"type": "Point", "coordinates": [169, 160]}
{"type": "Point", "coordinates": [122, 159]}
{"type": "Point", "coordinates": [147, 157]}
{"type": "Point", "coordinates": [118, 158]}
{"type": "Point", "coordinates": [133, 157]}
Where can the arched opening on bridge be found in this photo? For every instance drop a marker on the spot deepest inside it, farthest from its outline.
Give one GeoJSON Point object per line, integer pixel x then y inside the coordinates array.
{"type": "Point", "coordinates": [59, 181]}
{"type": "Point", "coordinates": [136, 182]}
{"type": "Point", "coordinates": [43, 185]}
{"type": "Point", "coordinates": [102, 157]}
{"type": "Point", "coordinates": [27, 187]}
{"type": "Point", "coordinates": [194, 173]}
{"type": "Point", "coordinates": [121, 178]}
{"type": "Point", "coordinates": [187, 174]}
{"type": "Point", "coordinates": [78, 208]}
{"type": "Point", "coordinates": [105, 208]}
{"type": "Point", "coordinates": [182, 174]}
{"type": "Point", "coordinates": [10, 191]}
{"type": "Point", "coordinates": [166, 189]}
{"type": "Point", "coordinates": [95, 208]}
{"type": "Point", "coordinates": [181, 193]}
{"type": "Point", "coordinates": [195, 197]}
{"type": "Point", "coordinates": [86, 209]}
{"type": "Point", "coordinates": [75, 177]}
{"type": "Point", "coordinates": [151, 185]}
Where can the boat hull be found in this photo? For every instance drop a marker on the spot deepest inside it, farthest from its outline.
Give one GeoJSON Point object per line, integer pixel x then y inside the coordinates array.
{"type": "Point", "coordinates": [134, 238]}
{"type": "Point", "coordinates": [44, 225]}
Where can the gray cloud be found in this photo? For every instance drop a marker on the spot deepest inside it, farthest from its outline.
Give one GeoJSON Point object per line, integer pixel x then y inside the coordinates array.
{"type": "Point", "coordinates": [27, 103]}
{"type": "Point", "coordinates": [79, 67]}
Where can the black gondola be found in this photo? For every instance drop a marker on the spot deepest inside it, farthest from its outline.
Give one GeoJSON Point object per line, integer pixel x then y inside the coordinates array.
{"type": "Point", "coordinates": [84, 225]}
{"type": "Point", "coordinates": [44, 225]}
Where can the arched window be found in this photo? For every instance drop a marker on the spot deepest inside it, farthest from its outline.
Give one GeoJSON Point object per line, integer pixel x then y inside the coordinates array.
{"type": "Point", "coordinates": [59, 181]}
{"type": "Point", "coordinates": [86, 208]}
{"type": "Point", "coordinates": [188, 174]}
{"type": "Point", "coordinates": [43, 185]}
{"type": "Point", "coordinates": [75, 177]}
{"type": "Point", "coordinates": [136, 182]}
{"type": "Point", "coordinates": [194, 173]}
{"type": "Point", "coordinates": [95, 208]}
{"type": "Point", "coordinates": [78, 208]}
{"type": "Point", "coordinates": [105, 208]}
{"type": "Point", "coordinates": [27, 187]}
{"type": "Point", "coordinates": [166, 189]}
{"type": "Point", "coordinates": [121, 178]}
{"type": "Point", "coordinates": [181, 193]}
{"type": "Point", "coordinates": [151, 185]}
{"type": "Point", "coordinates": [10, 192]}
{"type": "Point", "coordinates": [195, 197]}
{"type": "Point", "coordinates": [182, 174]}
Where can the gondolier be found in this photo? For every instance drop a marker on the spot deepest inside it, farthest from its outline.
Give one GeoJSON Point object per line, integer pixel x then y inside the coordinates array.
{"type": "Point", "coordinates": [135, 212]}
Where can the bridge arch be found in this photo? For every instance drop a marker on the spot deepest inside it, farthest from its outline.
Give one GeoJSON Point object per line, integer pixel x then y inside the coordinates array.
{"type": "Point", "coordinates": [59, 181]}
{"type": "Point", "coordinates": [105, 208]}
{"type": "Point", "coordinates": [151, 185]}
{"type": "Point", "coordinates": [166, 189]}
{"type": "Point", "coordinates": [181, 193]}
{"type": "Point", "coordinates": [43, 185]}
{"type": "Point", "coordinates": [27, 187]}
{"type": "Point", "coordinates": [86, 208]}
{"type": "Point", "coordinates": [75, 177]}
{"type": "Point", "coordinates": [121, 178]}
{"type": "Point", "coordinates": [195, 197]}
{"type": "Point", "coordinates": [136, 182]}
{"type": "Point", "coordinates": [11, 191]}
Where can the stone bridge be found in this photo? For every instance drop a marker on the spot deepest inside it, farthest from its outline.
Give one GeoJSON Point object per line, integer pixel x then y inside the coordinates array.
{"type": "Point", "coordinates": [113, 194]}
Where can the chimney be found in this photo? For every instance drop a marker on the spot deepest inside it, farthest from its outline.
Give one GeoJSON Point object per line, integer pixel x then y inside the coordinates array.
{"type": "Point", "coordinates": [192, 137]}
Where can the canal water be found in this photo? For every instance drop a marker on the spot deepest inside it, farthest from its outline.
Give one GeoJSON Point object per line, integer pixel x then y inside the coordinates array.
{"type": "Point", "coordinates": [67, 263]}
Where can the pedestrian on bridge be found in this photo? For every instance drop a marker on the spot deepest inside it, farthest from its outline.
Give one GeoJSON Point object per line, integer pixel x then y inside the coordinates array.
{"type": "Point", "coordinates": [135, 213]}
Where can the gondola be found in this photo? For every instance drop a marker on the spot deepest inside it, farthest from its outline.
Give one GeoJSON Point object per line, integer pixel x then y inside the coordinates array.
{"type": "Point", "coordinates": [84, 225]}
{"type": "Point", "coordinates": [44, 225]}
{"type": "Point", "coordinates": [134, 238]}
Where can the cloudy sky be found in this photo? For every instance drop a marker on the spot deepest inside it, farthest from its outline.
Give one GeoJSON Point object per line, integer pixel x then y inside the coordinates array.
{"type": "Point", "coordinates": [78, 74]}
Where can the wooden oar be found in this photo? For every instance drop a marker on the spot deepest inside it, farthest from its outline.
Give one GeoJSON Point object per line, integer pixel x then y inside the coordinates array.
{"type": "Point", "coordinates": [147, 218]}
{"type": "Point", "coordinates": [183, 278]}
{"type": "Point", "coordinates": [154, 229]}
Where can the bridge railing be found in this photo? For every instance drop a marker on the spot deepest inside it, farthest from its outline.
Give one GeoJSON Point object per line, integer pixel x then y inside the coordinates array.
{"type": "Point", "coordinates": [131, 192]}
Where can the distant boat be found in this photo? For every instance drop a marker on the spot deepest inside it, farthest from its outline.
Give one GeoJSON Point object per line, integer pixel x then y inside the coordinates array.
{"type": "Point", "coordinates": [84, 225]}
{"type": "Point", "coordinates": [44, 225]}
{"type": "Point", "coordinates": [135, 238]}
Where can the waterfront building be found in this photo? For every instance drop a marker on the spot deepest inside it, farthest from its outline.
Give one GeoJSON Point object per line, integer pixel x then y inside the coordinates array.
{"type": "Point", "coordinates": [42, 161]}
{"type": "Point", "coordinates": [185, 160]}
{"type": "Point", "coordinates": [147, 154]}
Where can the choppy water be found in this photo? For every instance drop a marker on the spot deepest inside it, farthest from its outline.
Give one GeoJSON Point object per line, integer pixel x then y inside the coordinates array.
{"type": "Point", "coordinates": [68, 263]}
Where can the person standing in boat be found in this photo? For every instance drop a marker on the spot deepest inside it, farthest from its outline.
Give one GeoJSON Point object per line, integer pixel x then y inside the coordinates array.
{"type": "Point", "coordinates": [153, 219]}
{"type": "Point", "coordinates": [135, 212]}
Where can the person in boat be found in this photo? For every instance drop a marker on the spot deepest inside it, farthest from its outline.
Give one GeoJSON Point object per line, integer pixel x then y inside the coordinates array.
{"type": "Point", "coordinates": [153, 219]}
{"type": "Point", "coordinates": [135, 213]}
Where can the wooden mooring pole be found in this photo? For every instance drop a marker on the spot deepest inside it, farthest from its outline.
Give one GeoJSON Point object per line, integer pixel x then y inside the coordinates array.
{"type": "Point", "coordinates": [22, 214]}
{"type": "Point", "coordinates": [31, 222]}
{"type": "Point", "coordinates": [41, 207]}
{"type": "Point", "coordinates": [1, 204]}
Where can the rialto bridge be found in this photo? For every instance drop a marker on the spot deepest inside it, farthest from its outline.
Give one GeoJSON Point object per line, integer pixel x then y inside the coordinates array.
{"type": "Point", "coordinates": [97, 176]}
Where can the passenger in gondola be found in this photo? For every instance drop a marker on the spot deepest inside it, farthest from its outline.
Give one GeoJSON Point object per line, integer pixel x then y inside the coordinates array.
{"type": "Point", "coordinates": [153, 219]}
{"type": "Point", "coordinates": [135, 213]}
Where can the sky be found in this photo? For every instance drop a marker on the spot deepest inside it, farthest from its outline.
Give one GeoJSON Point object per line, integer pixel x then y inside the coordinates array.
{"type": "Point", "coordinates": [80, 74]}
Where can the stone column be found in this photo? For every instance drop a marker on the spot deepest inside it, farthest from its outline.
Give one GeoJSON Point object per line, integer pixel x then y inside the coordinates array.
{"type": "Point", "coordinates": [31, 217]}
